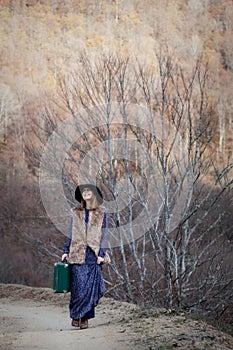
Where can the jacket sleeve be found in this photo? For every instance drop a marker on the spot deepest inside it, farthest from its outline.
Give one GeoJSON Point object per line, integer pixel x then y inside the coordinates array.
{"type": "Point", "coordinates": [104, 237]}
{"type": "Point", "coordinates": [66, 248]}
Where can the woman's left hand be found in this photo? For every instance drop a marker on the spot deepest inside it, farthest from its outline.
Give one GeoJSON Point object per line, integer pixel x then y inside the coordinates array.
{"type": "Point", "coordinates": [100, 260]}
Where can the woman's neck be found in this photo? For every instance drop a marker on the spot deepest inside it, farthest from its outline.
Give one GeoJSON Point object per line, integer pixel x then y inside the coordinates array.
{"type": "Point", "coordinates": [89, 206]}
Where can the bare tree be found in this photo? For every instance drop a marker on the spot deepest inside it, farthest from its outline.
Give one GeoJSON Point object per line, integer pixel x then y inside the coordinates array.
{"type": "Point", "coordinates": [9, 108]}
{"type": "Point", "coordinates": [161, 171]}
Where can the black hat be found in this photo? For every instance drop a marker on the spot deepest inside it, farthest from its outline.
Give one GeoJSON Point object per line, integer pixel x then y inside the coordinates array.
{"type": "Point", "coordinates": [95, 189]}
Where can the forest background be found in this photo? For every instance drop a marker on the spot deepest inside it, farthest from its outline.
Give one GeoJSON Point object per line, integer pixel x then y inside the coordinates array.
{"type": "Point", "coordinates": [48, 49]}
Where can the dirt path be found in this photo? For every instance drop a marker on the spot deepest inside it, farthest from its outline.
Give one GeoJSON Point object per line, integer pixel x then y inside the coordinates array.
{"type": "Point", "coordinates": [29, 325]}
{"type": "Point", "coordinates": [38, 318]}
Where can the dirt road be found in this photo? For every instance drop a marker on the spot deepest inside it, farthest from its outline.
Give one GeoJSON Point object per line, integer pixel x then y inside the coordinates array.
{"type": "Point", "coordinates": [29, 325]}
{"type": "Point", "coordinates": [38, 318]}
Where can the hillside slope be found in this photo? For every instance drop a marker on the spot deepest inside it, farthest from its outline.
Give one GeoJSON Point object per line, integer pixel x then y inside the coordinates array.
{"type": "Point", "coordinates": [40, 42]}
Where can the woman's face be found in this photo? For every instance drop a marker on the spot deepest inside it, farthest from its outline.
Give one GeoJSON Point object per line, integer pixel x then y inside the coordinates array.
{"type": "Point", "coordinates": [87, 194]}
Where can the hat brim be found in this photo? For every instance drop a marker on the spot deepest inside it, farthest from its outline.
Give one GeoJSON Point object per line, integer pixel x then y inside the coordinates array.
{"type": "Point", "coordinates": [95, 189]}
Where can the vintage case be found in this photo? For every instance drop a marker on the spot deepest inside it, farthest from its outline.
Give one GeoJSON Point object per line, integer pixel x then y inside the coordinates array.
{"type": "Point", "coordinates": [61, 279]}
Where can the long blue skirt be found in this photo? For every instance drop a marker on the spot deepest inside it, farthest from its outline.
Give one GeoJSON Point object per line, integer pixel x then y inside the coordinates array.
{"type": "Point", "coordinates": [87, 287]}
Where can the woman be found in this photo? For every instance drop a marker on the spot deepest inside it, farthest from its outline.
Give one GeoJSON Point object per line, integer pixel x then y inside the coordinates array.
{"type": "Point", "coordinates": [85, 250]}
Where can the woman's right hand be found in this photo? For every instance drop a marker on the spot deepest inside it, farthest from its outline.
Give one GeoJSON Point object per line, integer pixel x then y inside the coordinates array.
{"type": "Point", "coordinates": [64, 256]}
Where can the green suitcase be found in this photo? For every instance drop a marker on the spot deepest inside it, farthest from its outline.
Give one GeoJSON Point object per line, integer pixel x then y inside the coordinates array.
{"type": "Point", "coordinates": [61, 277]}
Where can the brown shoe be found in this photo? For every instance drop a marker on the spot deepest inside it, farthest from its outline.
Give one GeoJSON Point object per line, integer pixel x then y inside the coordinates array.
{"type": "Point", "coordinates": [75, 323]}
{"type": "Point", "coordinates": [84, 324]}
